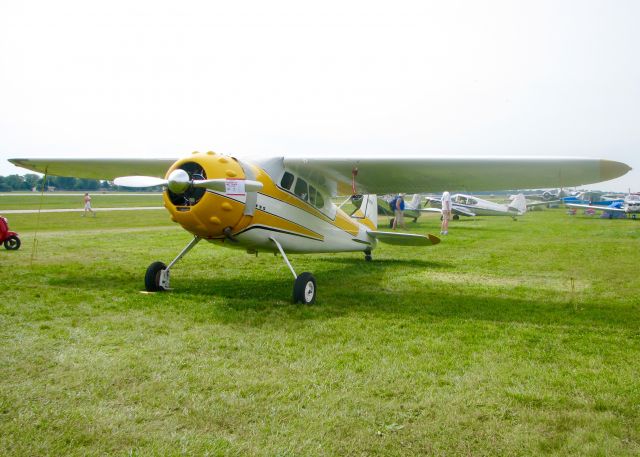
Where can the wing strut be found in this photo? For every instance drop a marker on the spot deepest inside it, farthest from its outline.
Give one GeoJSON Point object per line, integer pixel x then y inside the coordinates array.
{"type": "Point", "coordinates": [34, 249]}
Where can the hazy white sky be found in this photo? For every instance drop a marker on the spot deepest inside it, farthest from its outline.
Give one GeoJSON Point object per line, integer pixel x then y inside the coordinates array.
{"type": "Point", "coordinates": [161, 79]}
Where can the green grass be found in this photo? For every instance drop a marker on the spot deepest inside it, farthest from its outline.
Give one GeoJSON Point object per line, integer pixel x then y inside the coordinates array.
{"type": "Point", "coordinates": [508, 338]}
{"type": "Point", "coordinates": [98, 200]}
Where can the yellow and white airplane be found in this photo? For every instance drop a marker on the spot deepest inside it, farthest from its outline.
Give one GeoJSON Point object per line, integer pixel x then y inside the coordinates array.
{"type": "Point", "coordinates": [283, 204]}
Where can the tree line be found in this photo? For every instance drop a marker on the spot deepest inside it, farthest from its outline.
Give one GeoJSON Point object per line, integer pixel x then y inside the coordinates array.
{"type": "Point", "coordinates": [30, 181]}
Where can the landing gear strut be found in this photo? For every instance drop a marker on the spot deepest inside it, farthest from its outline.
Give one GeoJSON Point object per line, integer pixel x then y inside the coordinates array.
{"type": "Point", "coordinates": [367, 255]}
{"type": "Point", "coordinates": [304, 287]}
{"type": "Point", "coordinates": [157, 277]}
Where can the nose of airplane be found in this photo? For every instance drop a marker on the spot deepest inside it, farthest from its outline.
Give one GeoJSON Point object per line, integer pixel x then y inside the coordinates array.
{"type": "Point", "coordinates": [205, 212]}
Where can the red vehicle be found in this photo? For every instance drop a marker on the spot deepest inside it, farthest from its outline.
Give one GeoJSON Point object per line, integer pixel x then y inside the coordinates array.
{"type": "Point", "coordinates": [9, 238]}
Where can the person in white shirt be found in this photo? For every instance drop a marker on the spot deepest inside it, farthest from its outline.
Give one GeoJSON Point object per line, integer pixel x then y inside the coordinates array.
{"type": "Point", "coordinates": [446, 212]}
{"type": "Point", "coordinates": [87, 205]}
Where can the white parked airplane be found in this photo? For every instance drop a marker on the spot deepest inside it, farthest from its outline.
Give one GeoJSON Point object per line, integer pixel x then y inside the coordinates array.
{"type": "Point", "coordinates": [470, 205]}
{"type": "Point", "coordinates": [282, 204]}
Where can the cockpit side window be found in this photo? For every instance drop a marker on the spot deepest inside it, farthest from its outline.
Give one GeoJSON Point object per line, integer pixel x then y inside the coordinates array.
{"type": "Point", "coordinates": [287, 180]}
{"type": "Point", "coordinates": [312, 195]}
{"type": "Point", "coordinates": [301, 189]}
{"type": "Point", "coordinates": [319, 200]}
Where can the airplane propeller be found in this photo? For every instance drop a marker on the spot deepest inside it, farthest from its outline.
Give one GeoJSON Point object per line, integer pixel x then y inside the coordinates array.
{"type": "Point", "coordinates": [179, 182]}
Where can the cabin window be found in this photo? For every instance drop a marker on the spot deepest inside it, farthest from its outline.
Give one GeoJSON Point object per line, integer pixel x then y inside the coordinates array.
{"type": "Point", "coordinates": [471, 201]}
{"type": "Point", "coordinates": [319, 200]}
{"type": "Point", "coordinates": [301, 189]}
{"type": "Point", "coordinates": [287, 180]}
{"type": "Point", "coordinates": [312, 195]}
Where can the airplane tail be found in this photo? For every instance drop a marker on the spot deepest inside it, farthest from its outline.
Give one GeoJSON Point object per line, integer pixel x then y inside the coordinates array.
{"type": "Point", "coordinates": [415, 201]}
{"type": "Point", "coordinates": [519, 204]}
{"type": "Point", "coordinates": [367, 214]}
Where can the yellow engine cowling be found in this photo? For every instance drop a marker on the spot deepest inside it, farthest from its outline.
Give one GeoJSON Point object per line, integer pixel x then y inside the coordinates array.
{"type": "Point", "coordinates": [207, 214]}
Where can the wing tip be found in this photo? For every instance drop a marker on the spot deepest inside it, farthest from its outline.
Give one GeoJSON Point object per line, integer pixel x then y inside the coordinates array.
{"type": "Point", "coordinates": [610, 169]}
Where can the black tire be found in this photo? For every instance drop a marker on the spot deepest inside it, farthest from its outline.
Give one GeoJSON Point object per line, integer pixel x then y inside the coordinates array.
{"type": "Point", "coordinates": [152, 277]}
{"type": "Point", "coordinates": [304, 289]}
{"type": "Point", "coordinates": [12, 243]}
{"type": "Point", "coordinates": [456, 217]}
{"type": "Point", "coordinates": [368, 258]}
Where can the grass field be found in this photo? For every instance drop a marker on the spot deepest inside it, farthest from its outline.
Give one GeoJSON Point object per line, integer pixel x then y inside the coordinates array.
{"type": "Point", "coordinates": [508, 338]}
{"type": "Point", "coordinates": [98, 200]}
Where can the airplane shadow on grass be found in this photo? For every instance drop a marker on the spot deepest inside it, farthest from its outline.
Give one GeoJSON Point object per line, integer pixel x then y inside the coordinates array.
{"type": "Point", "coordinates": [363, 288]}
{"type": "Point", "coordinates": [350, 286]}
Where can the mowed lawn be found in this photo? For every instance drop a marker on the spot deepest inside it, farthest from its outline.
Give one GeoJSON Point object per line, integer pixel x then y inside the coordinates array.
{"type": "Point", "coordinates": [55, 200]}
{"type": "Point", "coordinates": [508, 338]}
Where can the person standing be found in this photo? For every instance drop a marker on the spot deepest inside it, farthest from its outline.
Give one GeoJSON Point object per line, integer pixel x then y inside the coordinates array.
{"type": "Point", "coordinates": [87, 205]}
{"type": "Point", "coordinates": [446, 212]}
{"type": "Point", "coordinates": [398, 219]}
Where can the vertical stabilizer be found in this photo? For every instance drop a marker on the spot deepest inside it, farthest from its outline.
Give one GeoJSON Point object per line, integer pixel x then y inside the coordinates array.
{"type": "Point", "coordinates": [519, 204]}
{"type": "Point", "coordinates": [367, 214]}
{"type": "Point", "coordinates": [415, 201]}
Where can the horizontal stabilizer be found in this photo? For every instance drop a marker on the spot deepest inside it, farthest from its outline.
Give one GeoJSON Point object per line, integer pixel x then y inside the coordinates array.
{"type": "Point", "coordinates": [404, 239]}
{"type": "Point", "coordinates": [430, 210]}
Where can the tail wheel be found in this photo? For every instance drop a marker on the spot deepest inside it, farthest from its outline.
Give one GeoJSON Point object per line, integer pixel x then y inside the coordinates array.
{"type": "Point", "coordinates": [304, 289]}
{"type": "Point", "coordinates": [12, 243]}
{"type": "Point", "coordinates": [152, 277]}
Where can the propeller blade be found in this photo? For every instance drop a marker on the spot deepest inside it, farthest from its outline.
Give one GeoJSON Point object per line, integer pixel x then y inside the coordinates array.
{"type": "Point", "coordinates": [221, 184]}
{"type": "Point", "coordinates": [139, 181]}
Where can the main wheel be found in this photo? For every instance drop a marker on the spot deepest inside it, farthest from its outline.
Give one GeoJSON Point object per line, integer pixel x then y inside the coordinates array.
{"type": "Point", "coordinates": [304, 289]}
{"type": "Point", "coordinates": [456, 217]}
{"type": "Point", "coordinates": [152, 277]}
{"type": "Point", "coordinates": [12, 243]}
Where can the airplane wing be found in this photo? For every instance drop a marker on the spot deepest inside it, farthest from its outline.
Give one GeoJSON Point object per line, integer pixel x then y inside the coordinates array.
{"type": "Point", "coordinates": [598, 207]}
{"type": "Point", "coordinates": [461, 211]}
{"type": "Point", "coordinates": [379, 175]}
{"type": "Point", "coordinates": [108, 169]}
{"type": "Point", "coordinates": [404, 239]}
{"type": "Point", "coordinates": [431, 174]}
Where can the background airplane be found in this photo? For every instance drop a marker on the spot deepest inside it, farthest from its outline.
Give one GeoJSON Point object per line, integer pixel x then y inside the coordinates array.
{"type": "Point", "coordinates": [470, 205]}
{"type": "Point", "coordinates": [412, 207]}
{"type": "Point", "coordinates": [629, 207]}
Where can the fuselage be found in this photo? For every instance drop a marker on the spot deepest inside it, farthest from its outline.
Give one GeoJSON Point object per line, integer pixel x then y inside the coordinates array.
{"type": "Point", "coordinates": [289, 208]}
{"type": "Point", "coordinates": [632, 203]}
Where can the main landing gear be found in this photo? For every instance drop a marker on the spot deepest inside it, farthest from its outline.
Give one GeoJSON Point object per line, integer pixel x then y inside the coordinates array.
{"type": "Point", "coordinates": [367, 255]}
{"type": "Point", "coordinates": [304, 287]}
{"type": "Point", "coordinates": [157, 277]}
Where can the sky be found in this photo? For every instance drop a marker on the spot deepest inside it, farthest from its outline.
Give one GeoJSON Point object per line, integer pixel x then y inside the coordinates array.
{"type": "Point", "coordinates": [255, 78]}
